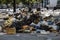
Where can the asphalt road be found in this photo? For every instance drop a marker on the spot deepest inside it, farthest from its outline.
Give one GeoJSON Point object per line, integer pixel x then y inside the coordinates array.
{"type": "Point", "coordinates": [29, 36]}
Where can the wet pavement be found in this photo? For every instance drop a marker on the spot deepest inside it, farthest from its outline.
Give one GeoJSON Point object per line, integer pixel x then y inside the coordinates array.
{"type": "Point", "coordinates": [29, 36]}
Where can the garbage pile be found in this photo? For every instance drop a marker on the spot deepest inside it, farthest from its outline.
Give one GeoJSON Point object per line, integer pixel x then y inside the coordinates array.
{"type": "Point", "coordinates": [27, 21]}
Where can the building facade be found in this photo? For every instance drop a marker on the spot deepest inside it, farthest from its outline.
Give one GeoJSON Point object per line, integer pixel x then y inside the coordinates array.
{"type": "Point", "coordinates": [58, 3]}
{"type": "Point", "coordinates": [51, 3]}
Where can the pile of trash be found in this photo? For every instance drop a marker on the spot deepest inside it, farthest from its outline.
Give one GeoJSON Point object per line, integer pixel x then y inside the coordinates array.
{"type": "Point", "coordinates": [27, 21]}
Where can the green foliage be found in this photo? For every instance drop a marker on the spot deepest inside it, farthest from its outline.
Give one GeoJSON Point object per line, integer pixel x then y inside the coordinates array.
{"type": "Point", "coordinates": [18, 1]}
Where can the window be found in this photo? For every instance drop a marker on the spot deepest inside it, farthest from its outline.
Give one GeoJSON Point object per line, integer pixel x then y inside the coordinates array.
{"type": "Point", "coordinates": [58, 2]}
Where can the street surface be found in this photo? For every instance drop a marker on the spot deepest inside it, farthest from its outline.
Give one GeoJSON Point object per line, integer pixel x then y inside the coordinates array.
{"type": "Point", "coordinates": [30, 36]}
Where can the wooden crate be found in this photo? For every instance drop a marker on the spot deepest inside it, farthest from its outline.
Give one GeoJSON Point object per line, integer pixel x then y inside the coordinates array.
{"type": "Point", "coordinates": [11, 31]}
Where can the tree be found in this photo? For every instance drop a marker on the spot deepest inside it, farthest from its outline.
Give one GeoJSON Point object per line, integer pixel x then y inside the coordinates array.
{"type": "Point", "coordinates": [26, 2]}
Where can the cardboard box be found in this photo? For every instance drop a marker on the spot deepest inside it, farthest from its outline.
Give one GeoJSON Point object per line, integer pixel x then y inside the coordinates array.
{"type": "Point", "coordinates": [11, 31]}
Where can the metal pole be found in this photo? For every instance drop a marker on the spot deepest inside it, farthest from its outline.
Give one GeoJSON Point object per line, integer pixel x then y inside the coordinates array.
{"type": "Point", "coordinates": [45, 3]}
{"type": "Point", "coordinates": [42, 3]}
{"type": "Point", "coordinates": [14, 6]}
